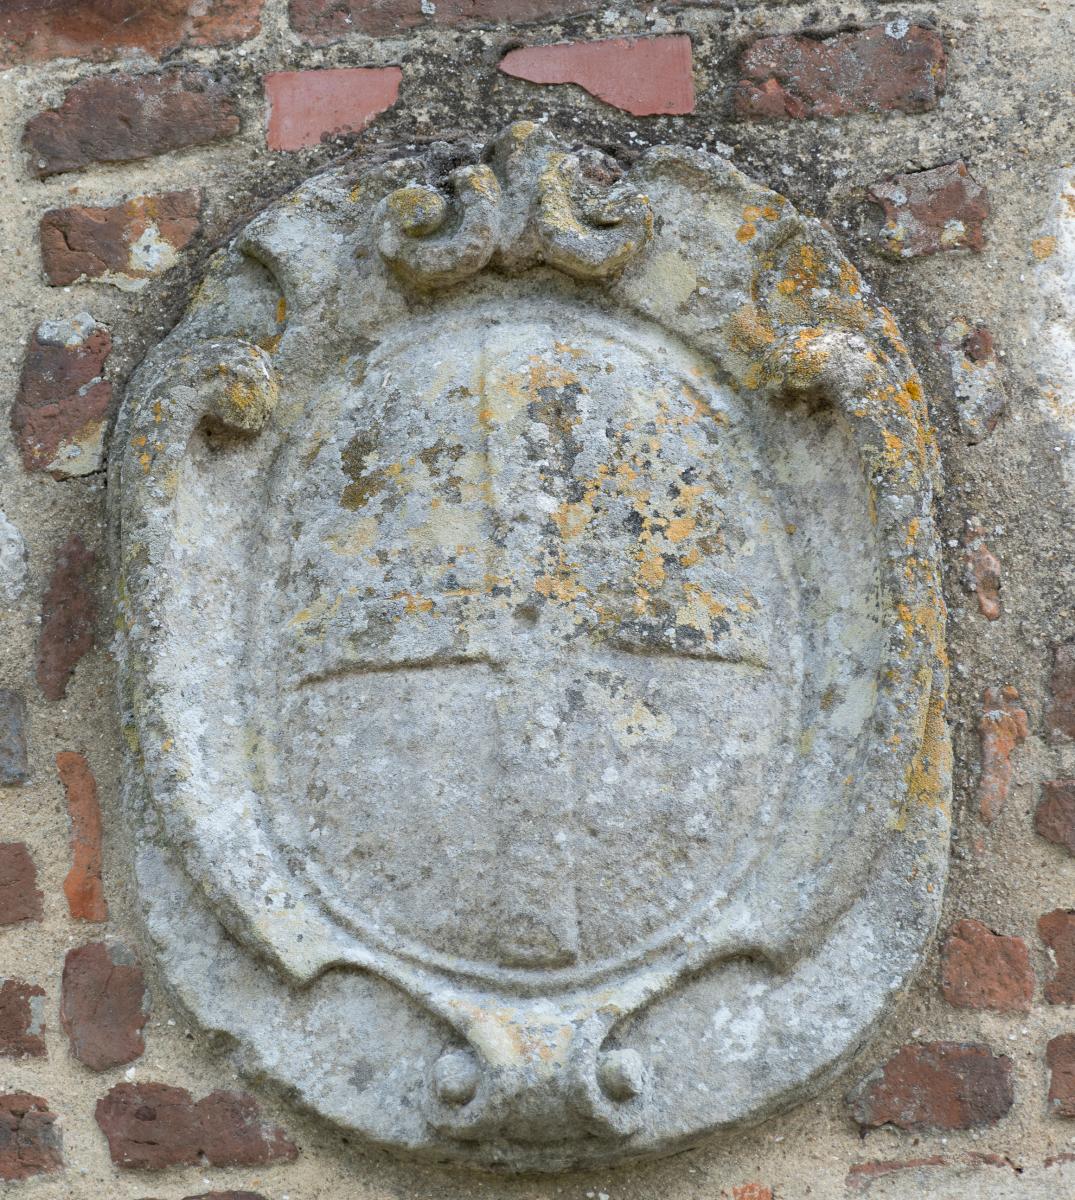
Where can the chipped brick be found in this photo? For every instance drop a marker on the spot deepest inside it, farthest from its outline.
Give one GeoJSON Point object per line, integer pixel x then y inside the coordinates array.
{"type": "Point", "coordinates": [30, 1142]}
{"type": "Point", "coordinates": [1055, 818]}
{"type": "Point", "coordinates": [1003, 727]}
{"type": "Point", "coordinates": [1060, 713]}
{"type": "Point", "coordinates": [82, 886]}
{"type": "Point", "coordinates": [20, 899]}
{"type": "Point", "coordinates": [1057, 931]}
{"type": "Point", "coordinates": [982, 969]}
{"type": "Point", "coordinates": [125, 244]}
{"type": "Point", "coordinates": [893, 67]}
{"type": "Point", "coordinates": [1060, 1059]}
{"type": "Point", "coordinates": [61, 408]}
{"type": "Point", "coordinates": [39, 30]}
{"type": "Point", "coordinates": [927, 212]}
{"type": "Point", "coordinates": [307, 106]}
{"type": "Point", "coordinates": [68, 613]}
{"type": "Point", "coordinates": [103, 1006]}
{"type": "Point", "coordinates": [642, 76]}
{"type": "Point", "coordinates": [152, 1125]}
{"type": "Point", "coordinates": [936, 1085]}
{"type": "Point", "coordinates": [22, 1019]}
{"type": "Point", "coordinates": [14, 767]}
{"type": "Point", "coordinates": [121, 117]}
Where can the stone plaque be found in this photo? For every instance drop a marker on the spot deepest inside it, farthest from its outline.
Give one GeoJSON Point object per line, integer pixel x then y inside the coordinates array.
{"type": "Point", "coordinates": [532, 652]}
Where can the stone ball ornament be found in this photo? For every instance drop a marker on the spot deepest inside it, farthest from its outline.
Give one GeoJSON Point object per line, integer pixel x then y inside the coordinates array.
{"type": "Point", "coordinates": [531, 653]}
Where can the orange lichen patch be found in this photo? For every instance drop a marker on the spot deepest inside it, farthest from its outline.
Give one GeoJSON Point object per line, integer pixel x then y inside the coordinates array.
{"type": "Point", "coordinates": [561, 586]}
{"type": "Point", "coordinates": [571, 519]}
{"type": "Point", "coordinates": [804, 269]}
{"type": "Point", "coordinates": [679, 528]}
{"type": "Point", "coordinates": [850, 279]}
{"type": "Point", "coordinates": [891, 330]}
{"type": "Point", "coordinates": [564, 348]}
{"type": "Point", "coordinates": [1043, 248]}
{"type": "Point", "coordinates": [83, 886]}
{"type": "Point", "coordinates": [894, 449]}
{"type": "Point", "coordinates": [749, 330]}
{"type": "Point", "coordinates": [928, 771]}
{"type": "Point", "coordinates": [414, 604]}
{"type": "Point", "coordinates": [745, 232]}
{"type": "Point", "coordinates": [281, 310]}
{"type": "Point", "coordinates": [757, 212]}
{"type": "Point", "coordinates": [651, 568]}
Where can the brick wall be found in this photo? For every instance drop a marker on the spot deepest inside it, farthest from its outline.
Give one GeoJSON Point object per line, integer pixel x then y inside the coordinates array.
{"type": "Point", "coordinates": [137, 136]}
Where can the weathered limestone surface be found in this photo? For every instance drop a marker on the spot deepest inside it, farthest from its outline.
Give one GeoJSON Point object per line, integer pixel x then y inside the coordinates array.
{"type": "Point", "coordinates": [532, 652]}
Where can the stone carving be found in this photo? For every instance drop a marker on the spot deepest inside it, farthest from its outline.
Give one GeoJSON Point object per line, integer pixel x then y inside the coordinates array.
{"type": "Point", "coordinates": [532, 652]}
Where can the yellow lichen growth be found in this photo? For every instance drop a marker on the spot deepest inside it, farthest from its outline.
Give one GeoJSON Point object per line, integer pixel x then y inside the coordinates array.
{"type": "Point", "coordinates": [651, 568]}
{"type": "Point", "coordinates": [804, 266]}
{"type": "Point", "coordinates": [749, 330]}
{"type": "Point", "coordinates": [414, 604]}
{"type": "Point", "coordinates": [850, 279]}
{"type": "Point", "coordinates": [928, 771]}
{"type": "Point", "coordinates": [745, 232]}
{"type": "Point", "coordinates": [561, 586]}
{"type": "Point", "coordinates": [281, 310]}
{"type": "Point", "coordinates": [1043, 248]}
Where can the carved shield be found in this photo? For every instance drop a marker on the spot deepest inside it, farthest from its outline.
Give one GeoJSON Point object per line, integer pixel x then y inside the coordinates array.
{"type": "Point", "coordinates": [531, 651]}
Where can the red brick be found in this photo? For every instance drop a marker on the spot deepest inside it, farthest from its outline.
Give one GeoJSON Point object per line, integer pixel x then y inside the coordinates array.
{"type": "Point", "coordinates": [897, 66]}
{"type": "Point", "coordinates": [1057, 930]}
{"type": "Point", "coordinates": [982, 573]}
{"type": "Point", "coordinates": [21, 1019]}
{"type": "Point", "coordinates": [14, 767]}
{"type": "Point", "coordinates": [307, 106]}
{"type": "Point", "coordinates": [927, 212]}
{"type": "Point", "coordinates": [1060, 1059]}
{"type": "Point", "coordinates": [752, 1191]}
{"type": "Point", "coordinates": [68, 614]}
{"type": "Point", "coordinates": [1060, 714]}
{"type": "Point", "coordinates": [1002, 727]}
{"type": "Point", "coordinates": [124, 244]}
{"type": "Point", "coordinates": [20, 899]}
{"type": "Point", "coordinates": [82, 886]}
{"type": "Point", "coordinates": [1055, 818]}
{"type": "Point", "coordinates": [152, 1125]}
{"type": "Point", "coordinates": [103, 1006]}
{"type": "Point", "coordinates": [61, 407]}
{"type": "Point", "coordinates": [982, 969]}
{"type": "Point", "coordinates": [121, 117]}
{"type": "Point", "coordinates": [936, 1085]}
{"type": "Point", "coordinates": [30, 1142]}
{"type": "Point", "coordinates": [642, 76]}
{"type": "Point", "coordinates": [322, 21]}
{"type": "Point", "coordinates": [39, 30]}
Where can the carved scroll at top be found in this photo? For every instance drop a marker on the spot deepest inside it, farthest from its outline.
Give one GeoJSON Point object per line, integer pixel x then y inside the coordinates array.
{"type": "Point", "coordinates": [534, 204]}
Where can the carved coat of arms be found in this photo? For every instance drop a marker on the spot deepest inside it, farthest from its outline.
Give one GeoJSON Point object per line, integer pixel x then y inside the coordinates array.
{"type": "Point", "coordinates": [532, 652]}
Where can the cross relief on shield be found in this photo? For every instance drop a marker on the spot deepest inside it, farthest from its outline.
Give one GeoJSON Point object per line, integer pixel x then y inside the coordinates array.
{"type": "Point", "coordinates": [532, 642]}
